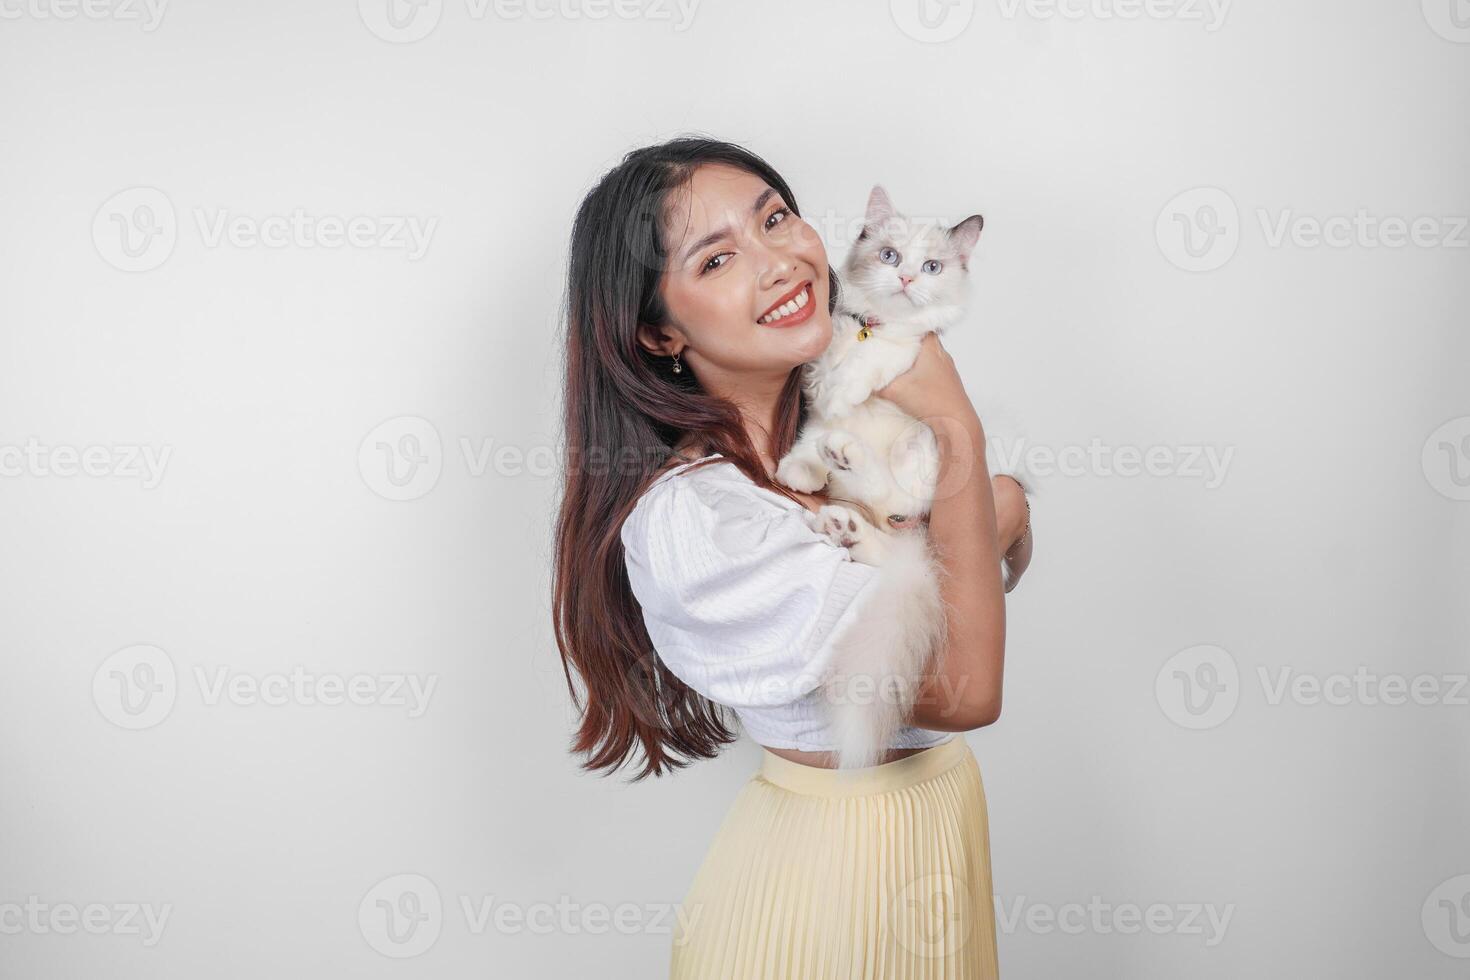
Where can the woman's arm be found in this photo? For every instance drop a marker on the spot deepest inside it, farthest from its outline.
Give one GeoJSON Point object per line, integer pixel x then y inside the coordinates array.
{"type": "Point", "coordinates": [963, 689]}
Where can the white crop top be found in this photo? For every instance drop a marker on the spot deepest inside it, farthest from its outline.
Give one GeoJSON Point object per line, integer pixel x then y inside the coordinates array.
{"type": "Point", "coordinates": [744, 602]}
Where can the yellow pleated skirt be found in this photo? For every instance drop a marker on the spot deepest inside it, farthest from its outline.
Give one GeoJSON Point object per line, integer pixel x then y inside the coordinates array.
{"type": "Point", "coordinates": [872, 873]}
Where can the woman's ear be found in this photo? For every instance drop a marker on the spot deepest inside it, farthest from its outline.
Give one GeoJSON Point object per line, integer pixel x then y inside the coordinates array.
{"type": "Point", "coordinates": [660, 341]}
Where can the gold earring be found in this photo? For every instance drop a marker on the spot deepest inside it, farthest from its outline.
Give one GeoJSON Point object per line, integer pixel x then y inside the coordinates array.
{"type": "Point", "coordinates": [678, 368]}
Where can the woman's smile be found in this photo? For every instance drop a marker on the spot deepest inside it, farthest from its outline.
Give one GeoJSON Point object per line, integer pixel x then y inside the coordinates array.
{"type": "Point", "coordinates": [792, 308]}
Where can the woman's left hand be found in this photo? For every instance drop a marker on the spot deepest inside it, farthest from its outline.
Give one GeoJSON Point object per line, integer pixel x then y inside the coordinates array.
{"type": "Point", "coordinates": [1012, 527]}
{"type": "Point", "coordinates": [1012, 524]}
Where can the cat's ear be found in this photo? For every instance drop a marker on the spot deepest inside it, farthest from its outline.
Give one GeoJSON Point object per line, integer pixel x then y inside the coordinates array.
{"type": "Point", "coordinates": [964, 236]}
{"type": "Point", "coordinates": [880, 209]}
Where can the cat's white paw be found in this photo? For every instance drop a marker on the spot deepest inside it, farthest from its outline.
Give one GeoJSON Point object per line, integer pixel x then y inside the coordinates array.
{"type": "Point", "coordinates": [801, 475]}
{"type": "Point", "coordinates": [839, 525]}
{"type": "Point", "coordinates": [841, 450]}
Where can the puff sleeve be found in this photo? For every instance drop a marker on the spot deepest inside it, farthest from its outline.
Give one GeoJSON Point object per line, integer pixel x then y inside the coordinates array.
{"type": "Point", "coordinates": [743, 601]}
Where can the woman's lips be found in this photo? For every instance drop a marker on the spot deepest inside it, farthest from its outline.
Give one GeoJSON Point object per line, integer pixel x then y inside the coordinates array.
{"type": "Point", "coordinates": [798, 307]}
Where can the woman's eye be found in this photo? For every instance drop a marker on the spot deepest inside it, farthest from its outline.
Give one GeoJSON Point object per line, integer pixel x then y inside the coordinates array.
{"type": "Point", "coordinates": [777, 216]}
{"type": "Point", "coordinates": [887, 256]}
{"type": "Point", "coordinates": [932, 267]}
{"type": "Point", "coordinates": [713, 262]}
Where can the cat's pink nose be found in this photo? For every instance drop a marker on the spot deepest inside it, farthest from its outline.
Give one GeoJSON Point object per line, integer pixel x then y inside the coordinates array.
{"type": "Point", "coordinates": [905, 280]}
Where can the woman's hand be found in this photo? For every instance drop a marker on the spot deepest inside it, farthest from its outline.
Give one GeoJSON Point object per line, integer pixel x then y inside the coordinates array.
{"type": "Point", "coordinates": [1010, 511]}
{"type": "Point", "coordinates": [1013, 527]}
{"type": "Point", "coordinates": [932, 388]}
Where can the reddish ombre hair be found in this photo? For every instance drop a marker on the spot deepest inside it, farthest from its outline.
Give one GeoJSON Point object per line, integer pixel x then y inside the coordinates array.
{"type": "Point", "coordinates": [624, 411]}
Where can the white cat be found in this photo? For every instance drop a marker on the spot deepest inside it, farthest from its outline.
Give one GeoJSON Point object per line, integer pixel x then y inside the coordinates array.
{"type": "Point", "coordinates": [903, 278]}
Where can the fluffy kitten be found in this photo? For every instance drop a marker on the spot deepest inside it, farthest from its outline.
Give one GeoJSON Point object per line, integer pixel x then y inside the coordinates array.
{"type": "Point", "coordinates": [903, 278]}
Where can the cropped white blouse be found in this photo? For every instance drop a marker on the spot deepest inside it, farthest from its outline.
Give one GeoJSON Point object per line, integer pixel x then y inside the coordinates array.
{"type": "Point", "coordinates": [744, 602]}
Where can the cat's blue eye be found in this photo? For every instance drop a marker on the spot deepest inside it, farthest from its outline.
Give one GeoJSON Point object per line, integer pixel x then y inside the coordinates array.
{"type": "Point", "coordinates": [887, 256]}
{"type": "Point", "coordinates": [932, 266]}
{"type": "Point", "coordinates": [777, 216]}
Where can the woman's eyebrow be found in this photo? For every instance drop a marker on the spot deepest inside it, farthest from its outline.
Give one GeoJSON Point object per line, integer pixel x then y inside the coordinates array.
{"type": "Point", "coordinates": [722, 232]}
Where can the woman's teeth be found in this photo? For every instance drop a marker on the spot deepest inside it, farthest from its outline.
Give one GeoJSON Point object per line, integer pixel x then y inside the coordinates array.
{"type": "Point", "coordinates": [789, 307]}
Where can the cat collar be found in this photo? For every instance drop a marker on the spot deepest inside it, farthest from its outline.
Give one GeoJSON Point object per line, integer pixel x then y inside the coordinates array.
{"type": "Point", "coordinates": [865, 325]}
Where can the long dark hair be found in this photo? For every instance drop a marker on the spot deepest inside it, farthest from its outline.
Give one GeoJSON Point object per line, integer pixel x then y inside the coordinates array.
{"type": "Point", "coordinates": [624, 411]}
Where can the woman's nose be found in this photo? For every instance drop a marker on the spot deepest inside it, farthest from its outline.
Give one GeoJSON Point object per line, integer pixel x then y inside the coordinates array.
{"type": "Point", "coordinates": [779, 268]}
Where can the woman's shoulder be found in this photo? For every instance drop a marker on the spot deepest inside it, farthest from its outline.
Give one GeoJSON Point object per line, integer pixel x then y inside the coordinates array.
{"type": "Point", "coordinates": [683, 467]}
{"type": "Point", "coordinates": [707, 478]}
{"type": "Point", "coordinates": [700, 497]}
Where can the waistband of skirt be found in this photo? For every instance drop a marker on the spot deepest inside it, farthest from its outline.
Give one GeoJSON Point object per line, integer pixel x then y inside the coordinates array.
{"type": "Point", "coordinates": [908, 771]}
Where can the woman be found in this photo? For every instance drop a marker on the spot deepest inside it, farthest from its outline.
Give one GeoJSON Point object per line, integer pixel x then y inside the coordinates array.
{"type": "Point", "coordinates": [690, 586]}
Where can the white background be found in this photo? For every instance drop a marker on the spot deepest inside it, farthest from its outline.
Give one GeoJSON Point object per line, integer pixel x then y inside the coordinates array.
{"type": "Point", "coordinates": [1335, 539]}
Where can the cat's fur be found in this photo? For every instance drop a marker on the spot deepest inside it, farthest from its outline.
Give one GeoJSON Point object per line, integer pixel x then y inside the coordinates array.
{"type": "Point", "coordinates": [866, 450]}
